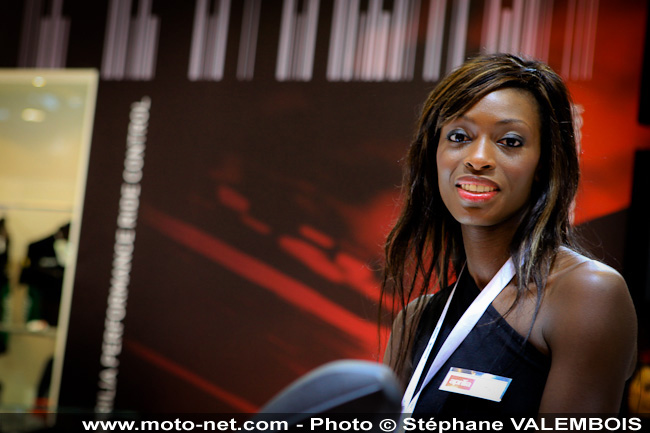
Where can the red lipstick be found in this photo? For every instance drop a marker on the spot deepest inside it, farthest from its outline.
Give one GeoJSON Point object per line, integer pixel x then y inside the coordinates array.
{"type": "Point", "coordinates": [476, 189]}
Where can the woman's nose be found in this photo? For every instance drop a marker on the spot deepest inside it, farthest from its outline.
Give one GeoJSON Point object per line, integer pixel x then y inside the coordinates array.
{"type": "Point", "coordinates": [480, 155]}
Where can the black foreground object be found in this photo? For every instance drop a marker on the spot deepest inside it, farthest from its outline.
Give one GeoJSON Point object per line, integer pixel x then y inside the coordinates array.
{"type": "Point", "coordinates": [343, 390]}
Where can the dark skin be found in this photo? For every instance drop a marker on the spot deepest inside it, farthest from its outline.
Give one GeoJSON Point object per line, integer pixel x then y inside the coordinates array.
{"type": "Point", "coordinates": [487, 161]}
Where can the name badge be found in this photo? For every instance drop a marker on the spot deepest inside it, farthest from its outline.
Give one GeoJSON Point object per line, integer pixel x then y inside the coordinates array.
{"type": "Point", "coordinates": [475, 384]}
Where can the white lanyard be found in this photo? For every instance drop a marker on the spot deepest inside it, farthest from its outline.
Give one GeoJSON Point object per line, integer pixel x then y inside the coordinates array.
{"type": "Point", "coordinates": [457, 335]}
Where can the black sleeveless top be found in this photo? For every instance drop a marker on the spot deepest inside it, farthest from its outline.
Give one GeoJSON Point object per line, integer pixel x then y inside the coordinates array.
{"type": "Point", "coordinates": [492, 346]}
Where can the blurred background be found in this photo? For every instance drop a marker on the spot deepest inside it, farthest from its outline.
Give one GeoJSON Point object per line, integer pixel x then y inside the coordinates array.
{"type": "Point", "coordinates": [194, 194]}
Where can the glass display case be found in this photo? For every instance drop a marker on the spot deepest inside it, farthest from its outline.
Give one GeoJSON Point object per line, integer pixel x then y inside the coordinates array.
{"type": "Point", "coordinates": [46, 119]}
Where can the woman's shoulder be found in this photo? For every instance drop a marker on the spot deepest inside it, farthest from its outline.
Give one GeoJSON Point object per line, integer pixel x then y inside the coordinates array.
{"type": "Point", "coordinates": [399, 344]}
{"type": "Point", "coordinates": [587, 303]}
{"type": "Point", "coordinates": [411, 315]}
{"type": "Point", "coordinates": [415, 308]}
{"type": "Point", "coordinates": [574, 274]}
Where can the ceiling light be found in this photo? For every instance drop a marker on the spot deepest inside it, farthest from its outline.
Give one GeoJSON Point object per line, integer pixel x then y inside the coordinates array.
{"type": "Point", "coordinates": [38, 81]}
{"type": "Point", "coordinates": [33, 115]}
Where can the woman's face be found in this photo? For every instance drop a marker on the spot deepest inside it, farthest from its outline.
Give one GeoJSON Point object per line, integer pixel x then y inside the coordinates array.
{"type": "Point", "coordinates": [487, 158]}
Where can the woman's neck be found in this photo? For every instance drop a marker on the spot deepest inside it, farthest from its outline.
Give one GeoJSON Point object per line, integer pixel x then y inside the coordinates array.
{"type": "Point", "coordinates": [487, 249]}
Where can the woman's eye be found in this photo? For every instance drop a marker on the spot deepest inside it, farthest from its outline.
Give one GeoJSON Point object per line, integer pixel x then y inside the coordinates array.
{"type": "Point", "coordinates": [457, 137]}
{"type": "Point", "coordinates": [511, 141]}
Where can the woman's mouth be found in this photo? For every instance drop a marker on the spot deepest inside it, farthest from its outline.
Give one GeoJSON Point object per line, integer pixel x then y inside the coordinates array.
{"type": "Point", "coordinates": [477, 188]}
{"type": "Point", "coordinates": [476, 192]}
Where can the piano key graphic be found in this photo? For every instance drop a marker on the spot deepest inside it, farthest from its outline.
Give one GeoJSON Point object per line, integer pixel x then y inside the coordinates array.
{"type": "Point", "coordinates": [44, 38]}
{"type": "Point", "coordinates": [248, 39]}
{"type": "Point", "coordinates": [580, 39]}
{"type": "Point", "coordinates": [295, 59]}
{"type": "Point", "coordinates": [373, 45]}
{"type": "Point", "coordinates": [524, 28]}
{"type": "Point", "coordinates": [209, 37]}
{"type": "Point", "coordinates": [369, 40]}
{"type": "Point", "coordinates": [433, 47]}
{"type": "Point", "coordinates": [131, 43]}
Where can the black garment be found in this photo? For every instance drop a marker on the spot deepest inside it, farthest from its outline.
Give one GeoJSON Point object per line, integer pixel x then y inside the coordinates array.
{"type": "Point", "coordinates": [4, 282]}
{"type": "Point", "coordinates": [492, 346]}
{"type": "Point", "coordinates": [44, 275]}
{"type": "Point", "coordinates": [4, 253]}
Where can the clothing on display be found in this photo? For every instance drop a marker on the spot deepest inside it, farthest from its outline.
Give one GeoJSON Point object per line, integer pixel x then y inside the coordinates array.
{"type": "Point", "coordinates": [4, 283]}
{"type": "Point", "coordinates": [43, 273]}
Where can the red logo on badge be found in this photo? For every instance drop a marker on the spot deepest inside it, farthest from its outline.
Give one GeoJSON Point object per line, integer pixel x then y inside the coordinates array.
{"type": "Point", "coordinates": [460, 382]}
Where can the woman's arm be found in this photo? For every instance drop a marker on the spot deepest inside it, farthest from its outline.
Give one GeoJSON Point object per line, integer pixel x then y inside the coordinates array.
{"type": "Point", "coordinates": [396, 346]}
{"type": "Point", "coordinates": [590, 326]}
{"type": "Point", "coordinates": [393, 345]}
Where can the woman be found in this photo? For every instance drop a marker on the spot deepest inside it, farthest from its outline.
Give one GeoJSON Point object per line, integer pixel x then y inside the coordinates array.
{"type": "Point", "coordinates": [490, 181]}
